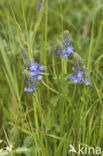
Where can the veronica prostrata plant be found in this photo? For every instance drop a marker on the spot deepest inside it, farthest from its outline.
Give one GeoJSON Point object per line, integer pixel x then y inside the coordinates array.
{"type": "Point", "coordinates": [64, 49]}
{"type": "Point", "coordinates": [79, 71]}
{"type": "Point", "coordinates": [33, 72]}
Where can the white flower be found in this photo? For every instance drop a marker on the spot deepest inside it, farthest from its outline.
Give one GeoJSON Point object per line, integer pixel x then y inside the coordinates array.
{"type": "Point", "coordinates": [9, 148]}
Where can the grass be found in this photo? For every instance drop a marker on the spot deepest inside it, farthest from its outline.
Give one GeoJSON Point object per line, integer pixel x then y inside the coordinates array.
{"type": "Point", "coordinates": [59, 113]}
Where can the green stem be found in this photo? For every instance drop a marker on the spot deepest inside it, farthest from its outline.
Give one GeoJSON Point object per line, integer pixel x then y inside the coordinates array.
{"type": "Point", "coordinates": [46, 32]}
{"type": "Point", "coordinates": [35, 114]}
{"type": "Point", "coordinates": [54, 70]}
{"type": "Point", "coordinates": [53, 90]}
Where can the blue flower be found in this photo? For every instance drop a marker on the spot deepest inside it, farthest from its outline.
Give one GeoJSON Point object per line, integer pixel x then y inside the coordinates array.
{"type": "Point", "coordinates": [29, 89]}
{"type": "Point", "coordinates": [33, 66]}
{"type": "Point", "coordinates": [26, 79]}
{"type": "Point", "coordinates": [39, 6]}
{"type": "Point", "coordinates": [58, 52]}
{"type": "Point", "coordinates": [64, 49]}
{"type": "Point", "coordinates": [75, 79]}
{"type": "Point", "coordinates": [33, 72]}
{"type": "Point", "coordinates": [79, 75]}
{"type": "Point", "coordinates": [80, 80]}
{"type": "Point", "coordinates": [87, 82]}
{"type": "Point", "coordinates": [72, 77]}
{"type": "Point", "coordinates": [67, 49]}
{"type": "Point", "coordinates": [70, 50]}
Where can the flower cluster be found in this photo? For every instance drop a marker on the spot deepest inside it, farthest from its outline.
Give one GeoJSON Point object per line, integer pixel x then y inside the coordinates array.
{"type": "Point", "coordinates": [64, 49]}
{"type": "Point", "coordinates": [33, 72]}
{"type": "Point", "coordinates": [79, 75]}
{"type": "Point", "coordinates": [67, 49]}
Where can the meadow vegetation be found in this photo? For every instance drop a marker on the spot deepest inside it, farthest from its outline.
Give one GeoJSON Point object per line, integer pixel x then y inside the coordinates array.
{"type": "Point", "coordinates": [60, 112]}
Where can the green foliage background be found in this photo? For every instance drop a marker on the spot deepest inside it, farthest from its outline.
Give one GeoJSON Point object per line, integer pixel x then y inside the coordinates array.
{"type": "Point", "coordinates": [59, 113]}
